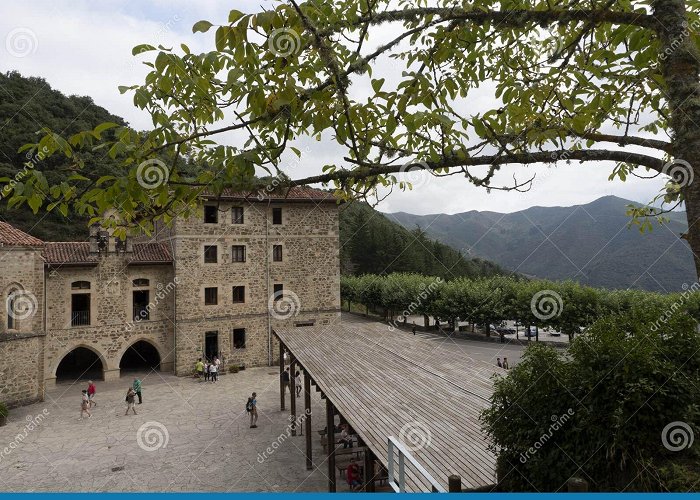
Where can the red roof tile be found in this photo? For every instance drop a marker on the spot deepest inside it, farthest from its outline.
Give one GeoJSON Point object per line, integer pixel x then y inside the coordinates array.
{"type": "Point", "coordinates": [293, 194]}
{"type": "Point", "coordinates": [10, 236]}
{"type": "Point", "coordinates": [78, 252]}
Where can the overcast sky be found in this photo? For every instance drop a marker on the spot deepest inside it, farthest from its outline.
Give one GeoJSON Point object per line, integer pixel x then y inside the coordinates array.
{"type": "Point", "coordinates": [84, 48]}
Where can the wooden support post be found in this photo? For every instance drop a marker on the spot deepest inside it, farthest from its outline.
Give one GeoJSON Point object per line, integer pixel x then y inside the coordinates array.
{"type": "Point", "coordinates": [282, 388]}
{"type": "Point", "coordinates": [293, 395]}
{"type": "Point", "coordinates": [307, 416]}
{"type": "Point", "coordinates": [454, 484]}
{"type": "Point", "coordinates": [330, 437]}
{"type": "Point", "coordinates": [369, 469]}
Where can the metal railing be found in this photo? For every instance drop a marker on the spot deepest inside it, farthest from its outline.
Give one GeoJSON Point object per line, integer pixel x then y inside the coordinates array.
{"type": "Point", "coordinates": [80, 318]}
{"type": "Point", "coordinates": [399, 484]}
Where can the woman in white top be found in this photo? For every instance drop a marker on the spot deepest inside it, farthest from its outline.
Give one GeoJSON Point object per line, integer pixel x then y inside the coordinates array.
{"type": "Point", "coordinates": [297, 382]}
{"type": "Point", "coordinates": [213, 372]}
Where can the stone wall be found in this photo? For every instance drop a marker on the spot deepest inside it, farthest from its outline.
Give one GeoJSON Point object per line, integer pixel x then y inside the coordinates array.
{"type": "Point", "coordinates": [21, 368]}
{"type": "Point", "coordinates": [112, 327]}
{"type": "Point", "coordinates": [22, 271]}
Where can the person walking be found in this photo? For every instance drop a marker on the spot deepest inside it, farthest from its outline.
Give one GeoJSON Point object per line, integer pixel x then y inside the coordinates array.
{"type": "Point", "coordinates": [85, 405]}
{"type": "Point", "coordinates": [206, 371]}
{"type": "Point", "coordinates": [498, 362]}
{"type": "Point", "coordinates": [285, 380]}
{"type": "Point", "coordinates": [213, 371]}
{"type": "Point", "coordinates": [137, 389]}
{"type": "Point", "coordinates": [130, 395]}
{"type": "Point", "coordinates": [505, 364]}
{"type": "Point", "coordinates": [297, 382]}
{"type": "Point", "coordinates": [91, 390]}
{"type": "Point", "coordinates": [252, 408]}
{"type": "Point", "coordinates": [199, 369]}
{"type": "Point", "coordinates": [414, 328]}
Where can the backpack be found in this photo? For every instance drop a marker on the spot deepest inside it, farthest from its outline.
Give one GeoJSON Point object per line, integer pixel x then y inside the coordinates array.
{"type": "Point", "coordinates": [249, 405]}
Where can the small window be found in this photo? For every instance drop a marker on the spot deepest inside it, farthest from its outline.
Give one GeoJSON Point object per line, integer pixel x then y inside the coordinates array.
{"type": "Point", "coordinates": [141, 282]}
{"type": "Point", "coordinates": [80, 285]}
{"type": "Point", "coordinates": [277, 253]}
{"type": "Point", "coordinates": [300, 324]}
{"type": "Point", "coordinates": [238, 294]}
{"type": "Point", "coordinates": [278, 290]}
{"type": "Point", "coordinates": [238, 253]}
{"type": "Point", "coordinates": [211, 296]}
{"type": "Point", "coordinates": [210, 254]}
{"type": "Point", "coordinates": [239, 338]}
{"type": "Point", "coordinates": [277, 216]}
{"type": "Point", "coordinates": [211, 214]}
{"type": "Point", "coordinates": [237, 215]}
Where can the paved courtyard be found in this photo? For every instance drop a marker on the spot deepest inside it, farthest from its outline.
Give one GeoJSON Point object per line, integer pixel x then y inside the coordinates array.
{"type": "Point", "coordinates": [188, 435]}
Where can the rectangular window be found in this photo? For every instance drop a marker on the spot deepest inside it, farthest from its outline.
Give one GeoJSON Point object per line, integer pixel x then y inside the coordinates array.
{"type": "Point", "coordinates": [210, 254]}
{"type": "Point", "coordinates": [277, 253]}
{"type": "Point", "coordinates": [80, 309]}
{"type": "Point", "coordinates": [237, 215]}
{"type": "Point", "coordinates": [238, 294]}
{"type": "Point", "coordinates": [211, 296]}
{"type": "Point", "coordinates": [211, 214]}
{"type": "Point", "coordinates": [238, 253]}
{"type": "Point", "coordinates": [277, 216]}
{"type": "Point", "coordinates": [141, 300]}
{"type": "Point", "coordinates": [239, 338]}
{"type": "Point", "coordinates": [278, 290]}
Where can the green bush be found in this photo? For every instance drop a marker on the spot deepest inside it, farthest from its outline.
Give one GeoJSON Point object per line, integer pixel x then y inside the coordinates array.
{"type": "Point", "coordinates": [599, 410]}
{"type": "Point", "coordinates": [233, 369]}
{"type": "Point", "coordinates": [3, 410]}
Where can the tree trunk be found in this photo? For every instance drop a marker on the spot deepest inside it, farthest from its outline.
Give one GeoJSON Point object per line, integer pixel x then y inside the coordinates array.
{"type": "Point", "coordinates": [680, 66]}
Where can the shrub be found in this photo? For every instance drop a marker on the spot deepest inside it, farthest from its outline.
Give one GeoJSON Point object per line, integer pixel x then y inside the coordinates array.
{"type": "Point", "coordinates": [3, 410]}
{"type": "Point", "coordinates": [619, 386]}
{"type": "Point", "coordinates": [233, 369]}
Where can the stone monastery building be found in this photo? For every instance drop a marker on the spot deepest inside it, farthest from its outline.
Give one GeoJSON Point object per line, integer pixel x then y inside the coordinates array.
{"type": "Point", "coordinates": [211, 285]}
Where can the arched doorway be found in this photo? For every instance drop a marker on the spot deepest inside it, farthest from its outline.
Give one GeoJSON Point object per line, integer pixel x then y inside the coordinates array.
{"type": "Point", "coordinates": [80, 364]}
{"type": "Point", "coordinates": [139, 357]}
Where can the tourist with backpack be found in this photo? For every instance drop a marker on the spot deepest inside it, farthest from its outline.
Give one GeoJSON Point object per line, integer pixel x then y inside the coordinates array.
{"type": "Point", "coordinates": [251, 407]}
{"type": "Point", "coordinates": [130, 396]}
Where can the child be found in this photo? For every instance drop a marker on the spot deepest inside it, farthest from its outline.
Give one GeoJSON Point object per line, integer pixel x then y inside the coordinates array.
{"type": "Point", "coordinates": [130, 395]}
{"type": "Point", "coordinates": [206, 371]}
{"type": "Point", "coordinates": [85, 405]}
{"type": "Point", "coordinates": [213, 372]}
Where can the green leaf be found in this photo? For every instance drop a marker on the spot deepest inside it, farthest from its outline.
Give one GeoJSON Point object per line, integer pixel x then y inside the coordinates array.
{"type": "Point", "coordinates": [201, 26]}
{"type": "Point", "coordinates": [140, 49]}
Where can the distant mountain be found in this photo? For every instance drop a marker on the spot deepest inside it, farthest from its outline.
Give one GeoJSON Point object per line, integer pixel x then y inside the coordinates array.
{"type": "Point", "coordinates": [588, 243]}
{"type": "Point", "coordinates": [371, 243]}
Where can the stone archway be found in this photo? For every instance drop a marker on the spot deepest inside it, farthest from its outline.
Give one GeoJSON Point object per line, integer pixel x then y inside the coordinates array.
{"type": "Point", "coordinates": [141, 356]}
{"type": "Point", "coordinates": [80, 364]}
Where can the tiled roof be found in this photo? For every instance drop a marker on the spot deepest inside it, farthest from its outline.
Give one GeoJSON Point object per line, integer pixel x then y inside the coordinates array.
{"type": "Point", "coordinates": [78, 252]}
{"type": "Point", "coordinates": [293, 194]}
{"type": "Point", "coordinates": [11, 236]}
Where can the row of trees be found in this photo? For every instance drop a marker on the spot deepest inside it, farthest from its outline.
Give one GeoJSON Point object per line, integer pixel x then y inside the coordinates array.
{"type": "Point", "coordinates": [565, 306]}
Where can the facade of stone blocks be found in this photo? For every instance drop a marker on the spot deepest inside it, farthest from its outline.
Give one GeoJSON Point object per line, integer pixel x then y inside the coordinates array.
{"type": "Point", "coordinates": [215, 284]}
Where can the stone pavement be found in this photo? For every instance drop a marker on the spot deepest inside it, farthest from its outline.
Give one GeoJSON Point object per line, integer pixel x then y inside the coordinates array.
{"type": "Point", "coordinates": [194, 436]}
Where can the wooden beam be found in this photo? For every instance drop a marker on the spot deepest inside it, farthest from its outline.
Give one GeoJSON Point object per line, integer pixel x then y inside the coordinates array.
{"type": "Point", "coordinates": [330, 425]}
{"type": "Point", "coordinates": [281, 372]}
{"type": "Point", "coordinates": [307, 416]}
{"type": "Point", "coordinates": [292, 395]}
